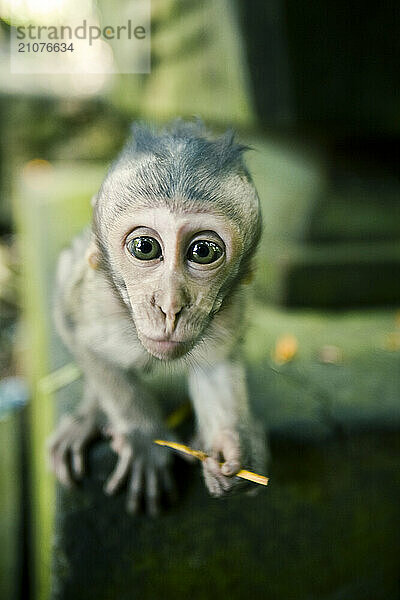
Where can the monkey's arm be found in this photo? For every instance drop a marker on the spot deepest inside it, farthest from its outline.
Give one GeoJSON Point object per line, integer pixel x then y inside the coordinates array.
{"type": "Point", "coordinates": [134, 420]}
{"type": "Point", "coordinates": [226, 429]}
{"type": "Point", "coordinates": [101, 336]}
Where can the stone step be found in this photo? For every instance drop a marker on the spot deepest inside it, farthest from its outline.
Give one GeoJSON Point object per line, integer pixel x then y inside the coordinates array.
{"type": "Point", "coordinates": [335, 275]}
{"type": "Point", "coordinates": [357, 214]}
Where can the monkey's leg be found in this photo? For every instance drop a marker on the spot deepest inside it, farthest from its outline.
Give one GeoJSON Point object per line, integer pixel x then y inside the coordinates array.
{"type": "Point", "coordinates": [134, 421]}
{"type": "Point", "coordinates": [67, 444]}
{"type": "Point", "coordinates": [225, 426]}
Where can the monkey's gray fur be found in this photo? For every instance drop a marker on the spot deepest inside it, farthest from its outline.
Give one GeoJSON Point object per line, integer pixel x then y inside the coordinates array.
{"type": "Point", "coordinates": [190, 198]}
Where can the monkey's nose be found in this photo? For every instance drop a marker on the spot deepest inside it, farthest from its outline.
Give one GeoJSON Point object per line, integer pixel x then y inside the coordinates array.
{"type": "Point", "coordinates": [171, 305]}
{"type": "Point", "coordinates": [170, 320]}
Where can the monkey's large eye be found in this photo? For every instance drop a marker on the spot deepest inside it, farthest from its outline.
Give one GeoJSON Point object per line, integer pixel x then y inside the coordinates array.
{"type": "Point", "coordinates": [144, 248]}
{"type": "Point", "coordinates": [204, 252]}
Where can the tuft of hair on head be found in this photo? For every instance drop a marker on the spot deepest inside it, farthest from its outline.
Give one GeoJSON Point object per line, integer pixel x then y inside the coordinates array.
{"type": "Point", "coordinates": [229, 150]}
{"type": "Point", "coordinates": [200, 146]}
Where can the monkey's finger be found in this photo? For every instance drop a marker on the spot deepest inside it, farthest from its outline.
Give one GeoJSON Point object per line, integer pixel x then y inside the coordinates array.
{"type": "Point", "coordinates": [120, 471]}
{"type": "Point", "coordinates": [135, 487]}
{"type": "Point", "coordinates": [60, 433]}
{"type": "Point", "coordinates": [79, 443]}
{"type": "Point", "coordinates": [211, 482]}
{"type": "Point", "coordinates": [231, 453]}
{"type": "Point", "coordinates": [213, 485]}
{"type": "Point", "coordinates": [227, 468]}
{"type": "Point", "coordinates": [230, 467]}
{"type": "Point", "coordinates": [216, 482]}
{"type": "Point", "coordinates": [61, 464]}
{"type": "Point", "coordinates": [152, 492]}
{"type": "Point", "coordinates": [117, 442]}
{"type": "Point", "coordinates": [212, 465]}
{"type": "Point", "coordinates": [77, 462]}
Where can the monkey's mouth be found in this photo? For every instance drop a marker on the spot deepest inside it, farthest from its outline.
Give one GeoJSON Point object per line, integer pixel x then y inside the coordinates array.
{"type": "Point", "coordinates": [163, 348]}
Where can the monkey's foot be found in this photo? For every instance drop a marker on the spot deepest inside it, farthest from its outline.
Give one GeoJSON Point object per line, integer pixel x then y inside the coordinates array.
{"type": "Point", "coordinates": [146, 468]}
{"type": "Point", "coordinates": [67, 444]}
{"type": "Point", "coordinates": [228, 452]}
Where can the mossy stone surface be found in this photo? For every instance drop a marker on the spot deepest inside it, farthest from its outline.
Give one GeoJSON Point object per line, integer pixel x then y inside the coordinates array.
{"type": "Point", "coordinates": [324, 528]}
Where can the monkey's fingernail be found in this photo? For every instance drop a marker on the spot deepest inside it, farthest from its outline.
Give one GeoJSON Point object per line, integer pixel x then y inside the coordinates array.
{"type": "Point", "coordinates": [109, 489]}
{"type": "Point", "coordinates": [132, 506]}
{"type": "Point", "coordinates": [77, 465]}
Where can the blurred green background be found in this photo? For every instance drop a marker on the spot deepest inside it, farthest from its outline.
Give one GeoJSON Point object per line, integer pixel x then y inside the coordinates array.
{"type": "Point", "coordinates": [311, 87]}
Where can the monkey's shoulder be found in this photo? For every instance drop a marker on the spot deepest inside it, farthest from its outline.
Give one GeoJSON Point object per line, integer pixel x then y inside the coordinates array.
{"type": "Point", "coordinates": [70, 271]}
{"type": "Point", "coordinates": [88, 313]}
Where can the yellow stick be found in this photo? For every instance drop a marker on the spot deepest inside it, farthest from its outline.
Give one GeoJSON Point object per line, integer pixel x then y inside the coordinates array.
{"type": "Point", "coordinates": [202, 456]}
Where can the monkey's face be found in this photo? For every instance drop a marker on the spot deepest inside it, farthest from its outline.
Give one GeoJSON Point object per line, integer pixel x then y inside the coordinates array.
{"type": "Point", "coordinates": [173, 270]}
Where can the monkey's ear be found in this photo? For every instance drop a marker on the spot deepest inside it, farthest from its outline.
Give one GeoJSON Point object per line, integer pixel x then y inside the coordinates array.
{"type": "Point", "coordinates": [92, 255]}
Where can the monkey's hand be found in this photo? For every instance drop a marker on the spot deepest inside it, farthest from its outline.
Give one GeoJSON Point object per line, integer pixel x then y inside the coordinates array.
{"type": "Point", "coordinates": [232, 451]}
{"type": "Point", "coordinates": [146, 468]}
{"type": "Point", "coordinates": [67, 444]}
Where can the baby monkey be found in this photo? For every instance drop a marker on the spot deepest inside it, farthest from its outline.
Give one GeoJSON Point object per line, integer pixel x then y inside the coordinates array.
{"type": "Point", "coordinates": [159, 280]}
